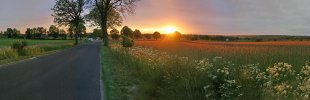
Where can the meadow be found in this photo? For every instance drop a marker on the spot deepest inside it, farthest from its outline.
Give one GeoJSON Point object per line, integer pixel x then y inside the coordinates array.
{"type": "Point", "coordinates": [263, 53]}
{"type": "Point", "coordinates": [183, 70]}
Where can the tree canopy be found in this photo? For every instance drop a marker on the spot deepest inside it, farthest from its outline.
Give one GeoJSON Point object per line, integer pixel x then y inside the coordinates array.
{"type": "Point", "coordinates": [126, 31]}
{"type": "Point", "coordinates": [156, 35]}
{"type": "Point", "coordinates": [137, 34]}
{"type": "Point", "coordinates": [69, 12]}
{"type": "Point", "coordinates": [106, 8]}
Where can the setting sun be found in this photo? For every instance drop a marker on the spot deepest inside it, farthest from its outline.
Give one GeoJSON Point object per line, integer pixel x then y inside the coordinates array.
{"type": "Point", "coordinates": [170, 29]}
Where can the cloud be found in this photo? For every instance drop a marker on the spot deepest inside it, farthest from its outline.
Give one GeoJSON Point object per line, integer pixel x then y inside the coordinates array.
{"type": "Point", "coordinates": [289, 17]}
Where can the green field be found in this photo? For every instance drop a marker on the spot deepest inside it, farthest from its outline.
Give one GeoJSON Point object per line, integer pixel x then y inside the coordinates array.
{"type": "Point", "coordinates": [33, 48]}
{"type": "Point", "coordinates": [8, 42]}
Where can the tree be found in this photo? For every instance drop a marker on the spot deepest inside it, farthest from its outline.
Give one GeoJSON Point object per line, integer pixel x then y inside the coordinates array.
{"type": "Point", "coordinates": [156, 35]}
{"type": "Point", "coordinates": [114, 18]}
{"type": "Point", "coordinates": [97, 33]}
{"type": "Point", "coordinates": [1, 34]}
{"type": "Point", "coordinates": [39, 31]}
{"type": "Point", "coordinates": [137, 34]}
{"type": "Point", "coordinates": [12, 32]}
{"type": "Point", "coordinates": [28, 33]}
{"type": "Point", "coordinates": [9, 32]}
{"type": "Point", "coordinates": [70, 31]}
{"type": "Point", "coordinates": [177, 35]}
{"type": "Point", "coordinates": [63, 34]}
{"type": "Point", "coordinates": [148, 36]}
{"type": "Point", "coordinates": [69, 12]}
{"type": "Point", "coordinates": [106, 7]}
{"type": "Point", "coordinates": [54, 31]}
{"type": "Point", "coordinates": [15, 33]}
{"type": "Point", "coordinates": [126, 31]}
{"type": "Point", "coordinates": [114, 34]}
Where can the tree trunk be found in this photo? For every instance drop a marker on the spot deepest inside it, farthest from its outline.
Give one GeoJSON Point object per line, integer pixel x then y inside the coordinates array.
{"type": "Point", "coordinates": [76, 39]}
{"type": "Point", "coordinates": [104, 28]}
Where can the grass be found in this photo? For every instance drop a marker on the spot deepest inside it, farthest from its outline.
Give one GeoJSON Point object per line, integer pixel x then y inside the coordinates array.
{"type": "Point", "coordinates": [8, 42]}
{"type": "Point", "coordinates": [117, 75]}
{"type": "Point", "coordinates": [35, 48]}
{"type": "Point", "coordinates": [166, 73]}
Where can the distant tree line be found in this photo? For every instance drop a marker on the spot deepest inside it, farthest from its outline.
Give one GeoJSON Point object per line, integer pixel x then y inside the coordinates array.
{"type": "Point", "coordinates": [128, 32]}
{"type": "Point", "coordinates": [52, 32]}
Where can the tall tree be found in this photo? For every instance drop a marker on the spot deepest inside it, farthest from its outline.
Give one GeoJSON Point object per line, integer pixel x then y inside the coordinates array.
{"type": "Point", "coordinates": [106, 7]}
{"type": "Point", "coordinates": [114, 18]}
{"type": "Point", "coordinates": [80, 29]}
{"type": "Point", "coordinates": [69, 12]}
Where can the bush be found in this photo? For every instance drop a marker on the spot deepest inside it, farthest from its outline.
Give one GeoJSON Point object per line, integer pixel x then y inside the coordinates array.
{"type": "Point", "coordinates": [127, 42]}
{"type": "Point", "coordinates": [19, 46]}
{"type": "Point", "coordinates": [115, 36]}
{"type": "Point", "coordinates": [8, 53]}
{"type": "Point", "coordinates": [148, 36]}
{"type": "Point", "coordinates": [258, 40]}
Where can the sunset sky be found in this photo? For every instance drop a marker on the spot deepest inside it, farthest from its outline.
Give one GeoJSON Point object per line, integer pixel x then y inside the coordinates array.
{"type": "Point", "coordinates": [229, 17]}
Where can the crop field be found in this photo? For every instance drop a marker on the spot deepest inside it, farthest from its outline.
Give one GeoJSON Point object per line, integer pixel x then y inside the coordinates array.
{"type": "Point", "coordinates": [8, 42]}
{"type": "Point", "coordinates": [262, 53]}
{"type": "Point", "coordinates": [183, 70]}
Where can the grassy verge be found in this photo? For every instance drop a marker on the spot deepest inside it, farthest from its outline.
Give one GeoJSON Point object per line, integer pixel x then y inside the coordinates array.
{"type": "Point", "coordinates": [119, 78]}
{"type": "Point", "coordinates": [35, 48]}
{"type": "Point", "coordinates": [7, 55]}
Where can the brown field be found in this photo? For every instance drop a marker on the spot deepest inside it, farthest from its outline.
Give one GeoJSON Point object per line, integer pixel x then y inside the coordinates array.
{"type": "Point", "coordinates": [264, 53]}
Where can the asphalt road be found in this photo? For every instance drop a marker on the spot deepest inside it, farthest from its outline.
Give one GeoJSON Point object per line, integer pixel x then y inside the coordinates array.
{"type": "Point", "coordinates": [69, 75]}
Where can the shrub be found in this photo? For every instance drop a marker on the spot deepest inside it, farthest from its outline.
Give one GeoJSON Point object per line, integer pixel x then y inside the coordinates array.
{"type": "Point", "coordinates": [8, 53]}
{"type": "Point", "coordinates": [115, 36]}
{"type": "Point", "coordinates": [258, 40]}
{"type": "Point", "coordinates": [127, 42]}
{"type": "Point", "coordinates": [19, 46]}
{"type": "Point", "coordinates": [148, 36]}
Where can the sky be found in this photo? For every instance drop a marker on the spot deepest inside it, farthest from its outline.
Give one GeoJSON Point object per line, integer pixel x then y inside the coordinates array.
{"type": "Point", "coordinates": [226, 17]}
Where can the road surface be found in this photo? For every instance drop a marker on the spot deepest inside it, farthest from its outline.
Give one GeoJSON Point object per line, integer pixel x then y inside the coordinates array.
{"type": "Point", "coordinates": [69, 75]}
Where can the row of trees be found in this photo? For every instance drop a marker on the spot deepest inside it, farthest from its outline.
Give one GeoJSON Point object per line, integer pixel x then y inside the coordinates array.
{"type": "Point", "coordinates": [10, 33]}
{"type": "Point", "coordinates": [53, 32]}
{"type": "Point", "coordinates": [128, 32]}
{"type": "Point", "coordinates": [103, 13]}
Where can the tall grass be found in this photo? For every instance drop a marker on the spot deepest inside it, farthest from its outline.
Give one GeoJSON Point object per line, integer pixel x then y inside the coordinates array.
{"type": "Point", "coordinates": [10, 54]}
{"type": "Point", "coordinates": [161, 76]}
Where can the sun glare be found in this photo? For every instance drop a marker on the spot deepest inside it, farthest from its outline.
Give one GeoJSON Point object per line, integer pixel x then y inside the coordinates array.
{"type": "Point", "coordinates": [170, 29]}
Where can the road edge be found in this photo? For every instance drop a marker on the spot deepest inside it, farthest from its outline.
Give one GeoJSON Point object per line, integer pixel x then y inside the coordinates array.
{"type": "Point", "coordinates": [102, 95]}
